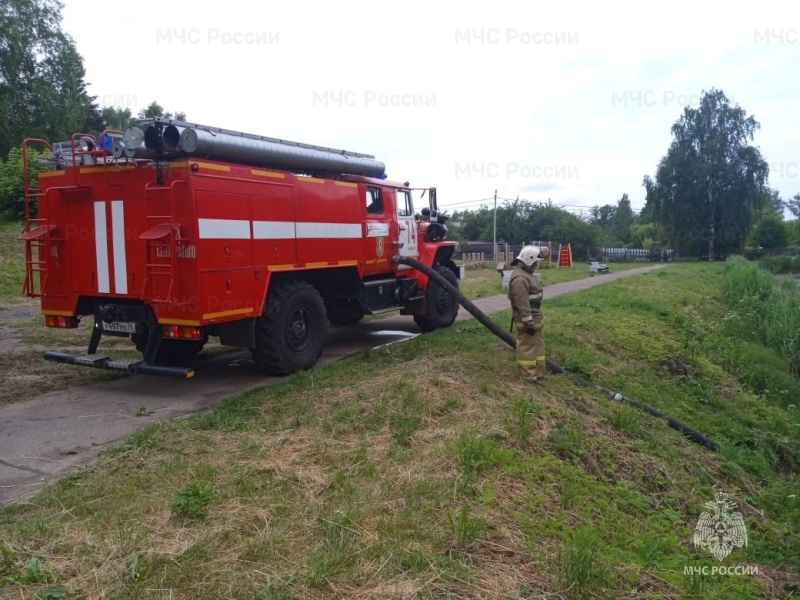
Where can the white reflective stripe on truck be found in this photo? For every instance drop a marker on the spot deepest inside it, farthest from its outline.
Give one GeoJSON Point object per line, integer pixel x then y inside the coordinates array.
{"type": "Point", "coordinates": [101, 246]}
{"type": "Point", "coordinates": [210, 229]}
{"type": "Point", "coordinates": [118, 240]}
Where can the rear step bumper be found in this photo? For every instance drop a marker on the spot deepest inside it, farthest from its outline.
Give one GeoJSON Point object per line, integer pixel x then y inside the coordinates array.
{"type": "Point", "coordinates": [126, 365]}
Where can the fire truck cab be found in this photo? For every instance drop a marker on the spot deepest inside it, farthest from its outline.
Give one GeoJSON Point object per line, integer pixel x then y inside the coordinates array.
{"type": "Point", "coordinates": [173, 232]}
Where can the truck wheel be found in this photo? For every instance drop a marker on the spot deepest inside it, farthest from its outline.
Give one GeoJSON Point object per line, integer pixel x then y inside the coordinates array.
{"type": "Point", "coordinates": [291, 333]}
{"type": "Point", "coordinates": [171, 351]}
{"type": "Point", "coordinates": [442, 307]}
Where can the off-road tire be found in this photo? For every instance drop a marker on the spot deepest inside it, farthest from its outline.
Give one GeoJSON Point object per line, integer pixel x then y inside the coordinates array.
{"type": "Point", "coordinates": [291, 333]}
{"type": "Point", "coordinates": [442, 306]}
{"type": "Point", "coordinates": [171, 351]}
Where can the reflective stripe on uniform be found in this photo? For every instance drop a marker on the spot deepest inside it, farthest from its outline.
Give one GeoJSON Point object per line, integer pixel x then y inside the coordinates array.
{"type": "Point", "coordinates": [527, 363]}
{"type": "Point", "coordinates": [538, 324]}
{"type": "Point", "coordinates": [539, 358]}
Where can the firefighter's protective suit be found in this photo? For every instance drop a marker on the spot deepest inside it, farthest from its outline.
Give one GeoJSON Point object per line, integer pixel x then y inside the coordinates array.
{"type": "Point", "coordinates": [526, 293]}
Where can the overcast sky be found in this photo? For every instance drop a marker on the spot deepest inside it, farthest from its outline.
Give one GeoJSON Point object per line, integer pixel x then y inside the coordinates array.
{"type": "Point", "coordinates": [571, 102]}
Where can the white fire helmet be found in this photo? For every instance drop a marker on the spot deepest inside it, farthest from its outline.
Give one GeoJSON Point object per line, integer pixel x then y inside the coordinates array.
{"type": "Point", "coordinates": [528, 256]}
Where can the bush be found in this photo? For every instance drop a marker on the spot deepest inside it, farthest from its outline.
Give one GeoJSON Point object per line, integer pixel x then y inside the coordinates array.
{"type": "Point", "coordinates": [764, 307]}
{"type": "Point", "coordinates": [781, 264]}
{"type": "Point", "coordinates": [12, 192]}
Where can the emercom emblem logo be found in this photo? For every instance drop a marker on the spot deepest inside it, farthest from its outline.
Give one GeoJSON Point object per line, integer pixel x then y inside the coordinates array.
{"type": "Point", "coordinates": [720, 530]}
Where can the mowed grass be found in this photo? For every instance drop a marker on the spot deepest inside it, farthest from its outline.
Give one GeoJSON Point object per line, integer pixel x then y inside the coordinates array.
{"type": "Point", "coordinates": [27, 374]}
{"type": "Point", "coordinates": [427, 470]}
{"type": "Point", "coordinates": [24, 371]}
{"type": "Point", "coordinates": [484, 282]}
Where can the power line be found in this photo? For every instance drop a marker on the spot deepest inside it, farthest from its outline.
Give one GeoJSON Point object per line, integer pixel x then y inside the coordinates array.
{"type": "Point", "coordinates": [466, 202]}
{"type": "Point", "coordinates": [485, 200]}
{"type": "Point", "coordinates": [483, 203]}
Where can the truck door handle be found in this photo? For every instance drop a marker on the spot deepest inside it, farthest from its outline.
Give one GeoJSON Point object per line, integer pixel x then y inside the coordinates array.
{"type": "Point", "coordinates": [403, 228]}
{"type": "Point", "coordinates": [398, 244]}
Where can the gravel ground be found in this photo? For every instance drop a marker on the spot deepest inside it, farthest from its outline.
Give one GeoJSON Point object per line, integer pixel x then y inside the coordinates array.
{"type": "Point", "coordinates": [15, 313]}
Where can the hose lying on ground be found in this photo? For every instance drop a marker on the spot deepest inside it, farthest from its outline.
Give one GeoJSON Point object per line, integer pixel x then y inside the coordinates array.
{"type": "Point", "coordinates": [492, 326]}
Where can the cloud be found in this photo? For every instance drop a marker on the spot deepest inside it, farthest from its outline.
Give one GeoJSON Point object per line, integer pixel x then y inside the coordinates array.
{"type": "Point", "coordinates": [540, 187]}
{"type": "Point", "coordinates": [574, 103]}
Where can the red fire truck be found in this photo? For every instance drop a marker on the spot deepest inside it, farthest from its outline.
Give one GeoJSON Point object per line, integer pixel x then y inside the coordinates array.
{"type": "Point", "coordinates": [172, 232]}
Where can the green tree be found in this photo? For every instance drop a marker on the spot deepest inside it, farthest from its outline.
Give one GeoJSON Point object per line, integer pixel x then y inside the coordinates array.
{"type": "Point", "coordinates": [646, 215]}
{"type": "Point", "coordinates": [794, 205]}
{"type": "Point", "coordinates": [42, 91]}
{"type": "Point", "coordinates": [521, 221]}
{"type": "Point", "coordinates": [603, 215]}
{"type": "Point", "coordinates": [119, 118]}
{"type": "Point", "coordinates": [474, 224]}
{"type": "Point", "coordinates": [710, 182]}
{"type": "Point", "coordinates": [11, 182]}
{"type": "Point", "coordinates": [622, 220]}
{"type": "Point", "coordinates": [774, 201]}
{"type": "Point", "coordinates": [793, 232]}
{"type": "Point", "coordinates": [154, 109]}
{"type": "Point", "coordinates": [116, 117]}
{"type": "Point", "coordinates": [513, 221]}
{"type": "Point", "coordinates": [12, 195]}
{"type": "Point", "coordinates": [645, 235]}
{"type": "Point", "coordinates": [552, 223]}
{"type": "Point", "coordinates": [770, 232]}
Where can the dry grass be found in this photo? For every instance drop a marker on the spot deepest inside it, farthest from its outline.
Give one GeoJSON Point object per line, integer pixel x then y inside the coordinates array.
{"type": "Point", "coordinates": [426, 469]}
{"type": "Point", "coordinates": [26, 374]}
{"type": "Point", "coordinates": [333, 506]}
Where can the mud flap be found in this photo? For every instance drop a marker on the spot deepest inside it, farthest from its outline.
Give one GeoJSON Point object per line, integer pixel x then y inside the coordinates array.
{"type": "Point", "coordinates": [415, 306]}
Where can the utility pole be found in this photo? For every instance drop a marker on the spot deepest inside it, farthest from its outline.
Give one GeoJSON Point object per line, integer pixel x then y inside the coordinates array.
{"type": "Point", "coordinates": [494, 229]}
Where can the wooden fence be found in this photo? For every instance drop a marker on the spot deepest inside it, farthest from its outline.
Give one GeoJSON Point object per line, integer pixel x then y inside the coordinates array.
{"type": "Point", "coordinates": [473, 260]}
{"type": "Point", "coordinates": [492, 257]}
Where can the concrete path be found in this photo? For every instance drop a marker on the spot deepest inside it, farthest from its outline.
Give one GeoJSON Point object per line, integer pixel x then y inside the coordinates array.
{"type": "Point", "coordinates": [48, 436]}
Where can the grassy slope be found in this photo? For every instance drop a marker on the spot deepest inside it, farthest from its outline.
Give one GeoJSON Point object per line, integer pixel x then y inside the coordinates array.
{"type": "Point", "coordinates": [12, 264]}
{"type": "Point", "coordinates": [426, 468]}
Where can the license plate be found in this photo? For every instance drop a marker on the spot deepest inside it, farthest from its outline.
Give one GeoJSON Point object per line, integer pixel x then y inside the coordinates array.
{"type": "Point", "coordinates": [120, 326]}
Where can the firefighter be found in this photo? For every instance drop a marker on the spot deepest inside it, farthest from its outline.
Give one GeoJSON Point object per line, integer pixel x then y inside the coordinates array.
{"type": "Point", "coordinates": [525, 293]}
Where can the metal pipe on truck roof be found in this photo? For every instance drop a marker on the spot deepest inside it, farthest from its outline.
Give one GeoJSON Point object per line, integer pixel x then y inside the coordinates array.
{"type": "Point", "coordinates": [119, 150]}
{"type": "Point", "coordinates": [151, 139]}
{"type": "Point", "coordinates": [172, 137]}
{"type": "Point", "coordinates": [264, 153]}
{"type": "Point", "coordinates": [169, 139]}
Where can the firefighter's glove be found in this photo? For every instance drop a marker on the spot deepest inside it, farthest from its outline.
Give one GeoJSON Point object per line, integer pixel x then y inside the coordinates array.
{"type": "Point", "coordinates": [536, 304]}
{"type": "Point", "coordinates": [530, 328]}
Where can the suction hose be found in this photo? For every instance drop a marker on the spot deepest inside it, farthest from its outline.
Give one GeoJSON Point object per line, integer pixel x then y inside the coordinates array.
{"type": "Point", "coordinates": [509, 339]}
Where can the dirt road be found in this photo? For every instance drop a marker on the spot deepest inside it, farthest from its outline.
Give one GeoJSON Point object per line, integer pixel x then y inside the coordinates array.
{"type": "Point", "coordinates": [50, 435]}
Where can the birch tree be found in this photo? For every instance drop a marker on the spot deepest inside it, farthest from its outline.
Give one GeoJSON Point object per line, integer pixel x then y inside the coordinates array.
{"type": "Point", "coordinates": [709, 185]}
